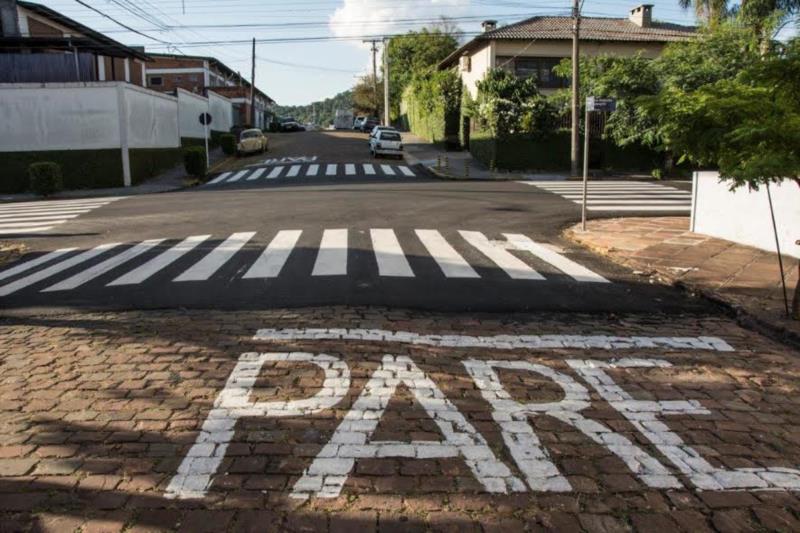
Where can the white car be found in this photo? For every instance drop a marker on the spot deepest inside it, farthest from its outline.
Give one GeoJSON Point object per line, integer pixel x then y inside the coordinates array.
{"type": "Point", "coordinates": [359, 122]}
{"type": "Point", "coordinates": [386, 142]}
{"type": "Point", "coordinates": [375, 131]}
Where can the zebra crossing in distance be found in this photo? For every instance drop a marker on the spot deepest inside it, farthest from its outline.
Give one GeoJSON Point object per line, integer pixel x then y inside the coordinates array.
{"type": "Point", "coordinates": [312, 170]}
{"type": "Point", "coordinates": [21, 218]}
{"type": "Point", "coordinates": [201, 257]}
{"type": "Point", "coordinates": [620, 195]}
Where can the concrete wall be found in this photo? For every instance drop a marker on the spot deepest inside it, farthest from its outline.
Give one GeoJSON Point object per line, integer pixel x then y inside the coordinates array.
{"type": "Point", "coordinates": [743, 216]}
{"type": "Point", "coordinates": [152, 118]}
{"type": "Point", "coordinates": [190, 106]}
{"type": "Point", "coordinates": [221, 109]}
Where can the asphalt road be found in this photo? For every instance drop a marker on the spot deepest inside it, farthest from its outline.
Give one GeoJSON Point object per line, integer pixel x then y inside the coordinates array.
{"type": "Point", "coordinates": [307, 239]}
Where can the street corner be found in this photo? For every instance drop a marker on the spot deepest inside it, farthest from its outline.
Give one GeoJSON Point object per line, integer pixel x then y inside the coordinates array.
{"type": "Point", "coordinates": [344, 418]}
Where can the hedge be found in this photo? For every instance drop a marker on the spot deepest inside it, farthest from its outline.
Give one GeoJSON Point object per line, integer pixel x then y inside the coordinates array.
{"type": "Point", "coordinates": [430, 106]}
{"type": "Point", "coordinates": [81, 169]}
{"type": "Point", "coordinates": [150, 162]}
{"type": "Point", "coordinates": [553, 153]}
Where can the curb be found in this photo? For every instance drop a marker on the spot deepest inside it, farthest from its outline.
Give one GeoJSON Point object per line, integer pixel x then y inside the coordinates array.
{"type": "Point", "coordinates": [743, 317]}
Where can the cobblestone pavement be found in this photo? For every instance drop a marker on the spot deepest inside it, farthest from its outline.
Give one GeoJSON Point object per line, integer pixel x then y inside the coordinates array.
{"type": "Point", "coordinates": [347, 419]}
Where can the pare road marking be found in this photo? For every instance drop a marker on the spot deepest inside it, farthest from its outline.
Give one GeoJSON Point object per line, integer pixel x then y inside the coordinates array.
{"type": "Point", "coordinates": [328, 472]}
{"type": "Point", "coordinates": [285, 160]}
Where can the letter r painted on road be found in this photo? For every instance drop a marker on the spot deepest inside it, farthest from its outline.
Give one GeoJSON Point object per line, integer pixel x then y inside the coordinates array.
{"type": "Point", "coordinates": [201, 463]}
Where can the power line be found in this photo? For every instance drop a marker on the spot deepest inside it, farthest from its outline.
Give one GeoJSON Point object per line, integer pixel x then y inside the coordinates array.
{"type": "Point", "coordinates": [120, 23]}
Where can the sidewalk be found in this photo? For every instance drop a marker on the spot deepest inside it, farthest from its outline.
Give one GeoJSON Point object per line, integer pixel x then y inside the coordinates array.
{"type": "Point", "coordinates": [170, 180]}
{"type": "Point", "coordinates": [747, 279]}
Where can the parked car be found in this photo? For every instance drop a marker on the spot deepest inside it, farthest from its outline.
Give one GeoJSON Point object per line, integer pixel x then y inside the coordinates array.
{"type": "Point", "coordinates": [368, 124]}
{"type": "Point", "coordinates": [386, 142]}
{"type": "Point", "coordinates": [291, 125]}
{"type": "Point", "coordinates": [358, 122]}
{"type": "Point", "coordinates": [252, 141]}
{"type": "Point", "coordinates": [378, 128]}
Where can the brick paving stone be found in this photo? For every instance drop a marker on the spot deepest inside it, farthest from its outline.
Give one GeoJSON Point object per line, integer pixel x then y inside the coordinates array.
{"type": "Point", "coordinates": [101, 456]}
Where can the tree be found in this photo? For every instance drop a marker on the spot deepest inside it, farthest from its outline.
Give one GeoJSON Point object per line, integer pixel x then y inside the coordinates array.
{"type": "Point", "coordinates": [365, 101]}
{"type": "Point", "coordinates": [414, 52]}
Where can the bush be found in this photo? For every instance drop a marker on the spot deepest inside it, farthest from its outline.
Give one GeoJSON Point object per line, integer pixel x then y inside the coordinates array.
{"type": "Point", "coordinates": [228, 143]}
{"type": "Point", "coordinates": [194, 160]}
{"type": "Point", "coordinates": [45, 178]}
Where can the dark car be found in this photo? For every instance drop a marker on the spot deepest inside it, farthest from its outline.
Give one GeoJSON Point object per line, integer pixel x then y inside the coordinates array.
{"type": "Point", "coordinates": [369, 124]}
{"type": "Point", "coordinates": [291, 125]}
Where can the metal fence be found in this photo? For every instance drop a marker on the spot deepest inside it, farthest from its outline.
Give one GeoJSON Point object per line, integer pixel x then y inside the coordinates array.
{"type": "Point", "coordinates": [44, 68]}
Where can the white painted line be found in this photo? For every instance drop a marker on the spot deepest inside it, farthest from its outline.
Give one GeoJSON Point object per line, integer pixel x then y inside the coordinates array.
{"type": "Point", "coordinates": [350, 169]}
{"type": "Point", "coordinates": [220, 255]}
{"type": "Point", "coordinates": [330, 170]}
{"type": "Point", "coordinates": [332, 256]}
{"type": "Point", "coordinates": [20, 231]}
{"type": "Point", "coordinates": [391, 259]}
{"type": "Point", "coordinates": [101, 268]}
{"type": "Point", "coordinates": [369, 169]}
{"type": "Point", "coordinates": [219, 178]}
{"type": "Point", "coordinates": [236, 177]}
{"type": "Point", "coordinates": [270, 263]}
{"type": "Point", "coordinates": [294, 170]}
{"type": "Point", "coordinates": [26, 224]}
{"type": "Point", "coordinates": [276, 171]}
{"type": "Point", "coordinates": [567, 266]}
{"type": "Point", "coordinates": [614, 201]}
{"type": "Point", "coordinates": [500, 342]}
{"type": "Point", "coordinates": [256, 174]}
{"type": "Point", "coordinates": [512, 265]}
{"type": "Point", "coordinates": [55, 269]}
{"type": "Point", "coordinates": [387, 169]}
{"type": "Point", "coordinates": [59, 203]}
{"type": "Point", "coordinates": [407, 171]}
{"type": "Point", "coordinates": [630, 196]}
{"type": "Point", "coordinates": [50, 210]}
{"type": "Point", "coordinates": [448, 259]}
{"type": "Point", "coordinates": [312, 170]}
{"type": "Point", "coordinates": [32, 218]}
{"type": "Point", "coordinates": [33, 263]}
{"type": "Point", "coordinates": [160, 262]}
{"type": "Point", "coordinates": [648, 208]}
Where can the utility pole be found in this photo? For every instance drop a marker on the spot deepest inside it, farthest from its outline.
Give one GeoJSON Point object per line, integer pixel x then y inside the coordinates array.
{"type": "Point", "coordinates": [576, 24]}
{"type": "Point", "coordinates": [374, 51]}
{"type": "Point", "coordinates": [386, 81]}
{"type": "Point", "coordinates": [253, 88]}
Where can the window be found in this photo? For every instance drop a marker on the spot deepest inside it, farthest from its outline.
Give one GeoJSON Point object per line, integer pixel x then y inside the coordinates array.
{"type": "Point", "coordinates": [156, 81]}
{"type": "Point", "coordinates": [389, 136]}
{"type": "Point", "coordinates": [540, 68]}
{"type": "Point", "coordinates": [193, 77]}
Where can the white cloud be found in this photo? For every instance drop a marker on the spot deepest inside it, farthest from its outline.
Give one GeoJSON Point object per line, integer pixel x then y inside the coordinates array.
{"type": "Point", "coordinates": [370, 17]}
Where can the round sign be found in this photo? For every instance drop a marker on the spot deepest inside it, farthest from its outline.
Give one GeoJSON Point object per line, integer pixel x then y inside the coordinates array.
{"type": "Point", "coordinates": [205, 118]}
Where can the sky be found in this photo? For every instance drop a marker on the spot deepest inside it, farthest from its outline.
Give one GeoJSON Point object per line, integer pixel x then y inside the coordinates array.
{"type": "Point", "coordinates": [308, 50]}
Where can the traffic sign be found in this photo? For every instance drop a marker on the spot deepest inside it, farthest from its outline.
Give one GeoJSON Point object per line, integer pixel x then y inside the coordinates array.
{"type": "Point", "coordinates": [205, 119]}
{"type": "Point", "coordinates": [594, 103]}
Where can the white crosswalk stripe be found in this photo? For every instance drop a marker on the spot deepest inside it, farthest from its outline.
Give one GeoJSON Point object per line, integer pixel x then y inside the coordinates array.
{"type": "Point", "coordinates": [369, 169]}
{"type": "Point", "coordinates": [161, 261]}
{"type": "Point", "coordinates": [275, 173]}
{"type": "Point", "coordinates": [236, 177]}
{"type": "Point", "coordinates": [620, 195]}
{"type": "Point", "coordinates": [256, 174]}
{"type": "Point", "coordinates": [387, 169]}
{"type": "Point", "coordinates": [212, 262]}
{"type": "Point", "coordinates": [219, 178]}
{"type": "Point", "coordinates": [21, 218]}
{"type": "Point", "coordinates": [270, 263]}
{"type": "Point", "coordinates": [330, 170]}
{"type": "Point", "coordinates": [407, 171]}
{"type": "Point", "coordinates": [310, 170]}
{"type": "Point", "coordinates": [451, 254]}
{"type": "Point", "coordinates": [294, 170]}
{"type": "Point", "coordinates": [350, 169]}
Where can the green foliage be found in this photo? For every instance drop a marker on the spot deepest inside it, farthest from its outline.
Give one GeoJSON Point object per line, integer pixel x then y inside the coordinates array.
{"type": "Point", "coordinates": [367, 97]}
{"type": "Point", "coordinates": [507, 105]}
{"type": "Point", "coordinates": [194, 160]}
{"type": "Point", "coordinates": [149, 162]}
{"type": "Point", "coordinates": [45, 178]}
{"type": "Point", "coordinates": [81, 169]}
{"type": "Point", "coordinates": [431, 104]}
{"type": "Point", "coordinates": [228, 143]}
{"type": "Point", "coordinates": [413, 53]}
{"type": "Point", "coordinates": [325, 109]}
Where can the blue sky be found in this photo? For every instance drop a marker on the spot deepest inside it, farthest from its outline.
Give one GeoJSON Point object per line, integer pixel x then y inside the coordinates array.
{"type": "Point", "coordinates": [305, 70]}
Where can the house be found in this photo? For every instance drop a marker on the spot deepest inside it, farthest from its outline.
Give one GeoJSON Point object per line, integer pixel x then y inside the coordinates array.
{"type": "Point", "coordinates": [200, 74]}
{"type": "Point", "coordinates": [40, 45]}
{"type": "Point", "coordinates": [534, 46]}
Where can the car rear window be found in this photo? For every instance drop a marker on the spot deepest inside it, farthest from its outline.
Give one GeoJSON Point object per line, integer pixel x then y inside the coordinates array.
{"type": "Point", "coordinates": [250, 134]}
{"type": "Point", "coordinates": [390, 136]}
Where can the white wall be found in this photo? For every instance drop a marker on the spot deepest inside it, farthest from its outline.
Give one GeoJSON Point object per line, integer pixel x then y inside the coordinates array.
{"type": "Point", "coordinates": [221, 112]}
{"type": "Point", "coordinates": [152, 118]}
{"type": "Point", "coordinates": [58, 117]}
{"type": "Point", "coordinates": [190, 107]}
{"type": "Point", "coordinates": [743, 216]}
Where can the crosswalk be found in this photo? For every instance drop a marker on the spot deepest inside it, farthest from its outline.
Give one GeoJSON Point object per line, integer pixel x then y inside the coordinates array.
{"type": "Point", "coordinates": [394, 254]}
{"type": "Point", "coordinates": [620, 195]}
{"type": "Point", "coordinates": [311, 170]}
{"type": "Point", "coordinates": [21, 218]}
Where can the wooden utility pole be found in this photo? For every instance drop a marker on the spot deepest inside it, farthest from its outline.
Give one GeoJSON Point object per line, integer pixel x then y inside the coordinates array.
{"type": "Point", "coordinates": [374, 51]}
{"type": "Point", "coordinates": [386, 81]}
{"type": "Point", "coordinates": [253, 87]}
{"type": "Point", "coordinates": [576, 24]}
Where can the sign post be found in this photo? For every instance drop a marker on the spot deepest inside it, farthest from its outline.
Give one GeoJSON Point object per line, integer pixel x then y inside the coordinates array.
{"type": "Point", "coordinates": [205, 120]}
{"type": "Point", "coordinates": [592, 104]}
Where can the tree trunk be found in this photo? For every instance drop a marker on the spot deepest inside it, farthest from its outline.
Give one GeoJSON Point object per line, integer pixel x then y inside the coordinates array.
{"type": "Point", "coordinates": [796, 299]}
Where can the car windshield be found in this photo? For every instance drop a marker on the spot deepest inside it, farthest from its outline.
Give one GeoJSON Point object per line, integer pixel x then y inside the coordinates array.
{"type": "Point", "coordinates": [250, 134]}
{"type": "Point", "coordinates": [390, 136]}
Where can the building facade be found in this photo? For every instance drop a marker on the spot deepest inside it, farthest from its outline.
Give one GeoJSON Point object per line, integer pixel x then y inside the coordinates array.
{"type": "Point", "coordinates": [536, 45]}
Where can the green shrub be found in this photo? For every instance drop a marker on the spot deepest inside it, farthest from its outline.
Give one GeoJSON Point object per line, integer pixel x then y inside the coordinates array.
{"type": "Point", "coordinates": [228, 142]}
{"type": "Point", "coordinates": [45, 178]}
{"type": "Point", "coordinates": [194, 160]}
